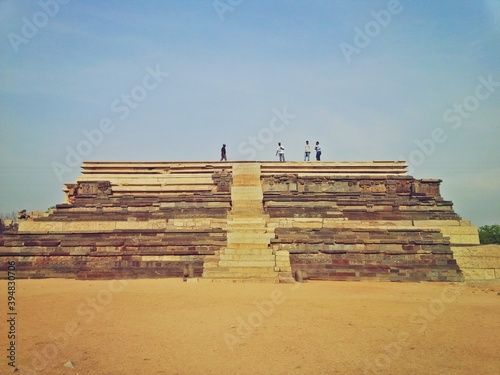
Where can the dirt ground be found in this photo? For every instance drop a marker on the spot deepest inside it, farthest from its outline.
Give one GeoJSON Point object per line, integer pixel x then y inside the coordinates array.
{"type": "Point", "coordinates": [170, 327]}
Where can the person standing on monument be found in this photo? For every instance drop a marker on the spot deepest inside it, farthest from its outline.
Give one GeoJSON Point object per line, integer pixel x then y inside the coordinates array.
{"type": "Point", "coordinates": [307, 153]}
{"type": "Point", "coordinates": [223, 153]}
{"type": "Point", "coordinates": [318, 151]}
{"type": "Point", "coordinates": [280, 151]}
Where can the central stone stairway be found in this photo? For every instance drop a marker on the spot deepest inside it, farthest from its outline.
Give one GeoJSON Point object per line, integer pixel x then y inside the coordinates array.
{"type": "Point", "coordinates": [248, 255]}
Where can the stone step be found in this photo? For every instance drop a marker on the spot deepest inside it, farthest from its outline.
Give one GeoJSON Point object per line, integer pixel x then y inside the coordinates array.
{"type": "Point", "coordinates": [286, 278]}
{"type": "Point", "coordinates": [248, 271]}
{"type": "Point", "coordinates": [252, 238]}
{"type": "Point", "coordinates": [259, 218]}
{"type": "Point", "coordinates": [247, 231]}
{"type": "Point", "coordinates": [243, 251]}
{"type": "Point", "coordinates": [248, 199]}
{"type": "Point", "coordinates": [247, 213]}
{"type": "Point", "coordinates": [241, 276]}
{"type": "Point", "coordinates": [246, 179]}
{"type": "Point", "coordinates": [261, 240]}
{"type": "Point", "coordinates": [245, 220]}
{"type": "Point", "coordinates": [247, 263]}
{"type": "Point", "coordinates": [256, 278]}
{"type": "Point", "coordinates": [248, 257]}
{"type": "Point", "coordinates": [249, 190]}
{"type": "Point", "coordinates": [273, 279]}
{"type": "Point", "coordinates": [239, 207]}
{"type": "Point", "coordinates": [238, 218]}
{"type": "Point", "coordinates": [250, 203]}
{"type": "Point", "coordinates": [249, 246]}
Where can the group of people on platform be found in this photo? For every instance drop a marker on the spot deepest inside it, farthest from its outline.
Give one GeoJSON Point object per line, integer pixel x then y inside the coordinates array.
{"type": "Point", "coordinates": [280, 152]}
{"type": "Point", "coordinates": [307, 152]}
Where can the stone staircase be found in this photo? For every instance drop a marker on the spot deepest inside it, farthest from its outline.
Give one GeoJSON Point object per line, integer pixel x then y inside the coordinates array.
{"type": "Point", "coordinates": [248, 255]}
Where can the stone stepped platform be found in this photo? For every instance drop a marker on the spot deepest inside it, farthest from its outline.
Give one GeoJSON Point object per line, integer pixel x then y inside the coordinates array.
{"type": "Point", "coordinates": [244, 221]}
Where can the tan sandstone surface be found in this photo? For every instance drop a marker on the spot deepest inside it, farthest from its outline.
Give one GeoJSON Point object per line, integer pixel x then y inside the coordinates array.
{"type": "Point", "coordinates": [170, 327]}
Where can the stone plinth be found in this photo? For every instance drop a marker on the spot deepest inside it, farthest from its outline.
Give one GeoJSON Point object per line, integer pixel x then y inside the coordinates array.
{"type": "Point", "coordinates": [244, 221]}
{"type": "Point", "coordinates": [479, 263]}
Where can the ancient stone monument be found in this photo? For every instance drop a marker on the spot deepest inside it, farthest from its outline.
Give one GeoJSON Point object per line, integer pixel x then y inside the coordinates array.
{"type": "Point", "coordinates": [244, 221]}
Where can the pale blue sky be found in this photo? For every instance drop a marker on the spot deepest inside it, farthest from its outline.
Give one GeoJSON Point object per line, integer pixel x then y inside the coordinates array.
{"type": "Point", "coordinates": [224, 72]}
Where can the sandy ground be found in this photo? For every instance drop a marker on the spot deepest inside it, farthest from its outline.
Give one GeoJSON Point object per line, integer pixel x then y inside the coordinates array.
{"type": "Point", "coordinates": [171, 327]}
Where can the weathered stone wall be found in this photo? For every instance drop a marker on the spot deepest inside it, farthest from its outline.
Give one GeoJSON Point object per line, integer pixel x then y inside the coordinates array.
{"type": "Point", "coordinates": [115, 253]}
{"type": "Point", "coordinates": [366, 227]}
{"type": "Point", "coordinates": [326, 249]}
{"type": "Point", "coordinates": [148, 224]}
{"type": "Point", "coordinates": [479, 263]}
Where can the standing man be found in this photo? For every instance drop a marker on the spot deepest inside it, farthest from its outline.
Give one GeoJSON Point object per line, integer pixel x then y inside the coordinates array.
{"type": "Point", "coordinates": [308, 152]}
{"type": "Point", "coordinates": [223, 153]}
{"type": "Point", "coordinates": [318, 151]}
{"type": "Point", "coordinates": [280, 151]}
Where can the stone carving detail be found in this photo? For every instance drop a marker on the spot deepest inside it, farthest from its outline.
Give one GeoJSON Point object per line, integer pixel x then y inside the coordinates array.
{"type": "Point", "coordinates": [366, 187]}
{"type": "Point", "coordinates": [92, 188]}
{"type": "Point", "coordinates": [379, 187]}
{"type": "Point", "coordinates": [429, 188]}
{"type": "Point", "coordinates": [281, 182]}
{"type": "Point", "coordinates": [87, 188]}
{"type": "Point", "coordinates": [322, 184]}
{"type": "Point", "coordinates": [71, 193]}
{"type": "Point", "coordinates": [98, 188]}
{"type": "Point", "coordinates": [316, 185]}
{"type": "Point", "coordinates": [222, 180]}
{"type": "Point", "coordinates": [414, 190]}
{"type": "Point", "coordinates": [391, 187]}
{"type": "Point", "coordinates": [403, 187]}
{"type": "Point", "coordinates": [104, 188]}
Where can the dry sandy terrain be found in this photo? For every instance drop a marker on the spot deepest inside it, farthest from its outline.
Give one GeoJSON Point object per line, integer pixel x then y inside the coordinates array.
{"type": "Point", "coordinates": [171, 327]}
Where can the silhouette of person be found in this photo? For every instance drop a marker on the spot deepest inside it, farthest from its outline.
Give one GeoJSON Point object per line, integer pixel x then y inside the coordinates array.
{"type": "Point", "coordinates": [223, 153]}
{"type": "Point", "coordinates": [318, 151]}
{"type": "Point", "coordinates": [307, 153]}
{"type": "Point", "coordinates": [280, 151]}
